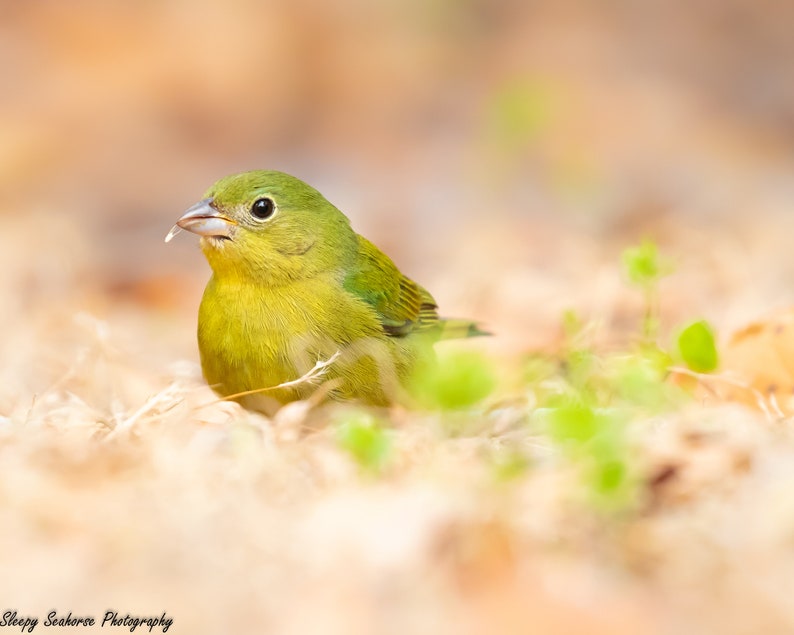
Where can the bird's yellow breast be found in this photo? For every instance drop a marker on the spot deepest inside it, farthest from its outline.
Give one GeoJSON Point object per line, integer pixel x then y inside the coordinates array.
{"type": "Point", "coordinates": [253, 337]}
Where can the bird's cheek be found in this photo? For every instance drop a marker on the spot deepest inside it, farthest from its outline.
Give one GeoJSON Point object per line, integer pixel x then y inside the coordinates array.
{"type": "Point", "coordinates": [298, 246]}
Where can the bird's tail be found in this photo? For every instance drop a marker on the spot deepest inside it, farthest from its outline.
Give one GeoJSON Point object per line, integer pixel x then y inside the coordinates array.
{"type": "Point", "coordinates": [450, 328]}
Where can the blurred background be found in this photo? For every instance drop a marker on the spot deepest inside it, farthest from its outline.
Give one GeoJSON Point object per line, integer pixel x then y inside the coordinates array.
{"type": "Point", "coordinates": [489, 147]}
{"type": "Point", "coordinates": [504, 153]}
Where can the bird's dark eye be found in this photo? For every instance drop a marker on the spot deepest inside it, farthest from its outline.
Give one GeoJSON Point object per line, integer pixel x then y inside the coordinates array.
{"type": "Point", "coordinates": [263, 208]}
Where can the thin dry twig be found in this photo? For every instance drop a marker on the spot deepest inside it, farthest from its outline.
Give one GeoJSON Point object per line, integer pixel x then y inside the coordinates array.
{"type": "Point", "coordinates": [763, 403]}
{"type": "Point", "coordinates": [313, 374]}
{"type": "Point", "coordinates": [168, 397]}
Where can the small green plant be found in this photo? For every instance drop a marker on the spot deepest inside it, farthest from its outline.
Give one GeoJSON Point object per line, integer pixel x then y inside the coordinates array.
{"type": "Point", "coordinates": [645, 268]}
{"type": "Point", "coordinates": [643, 265]}
{"type": "Point", "coordinates": [361, 435]}
{"type": "Point", "coordinates": [587, 408]}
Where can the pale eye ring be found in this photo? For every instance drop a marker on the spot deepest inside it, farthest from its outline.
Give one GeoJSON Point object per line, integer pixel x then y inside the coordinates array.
{"type": "Point", "coordinates": [263, 208]}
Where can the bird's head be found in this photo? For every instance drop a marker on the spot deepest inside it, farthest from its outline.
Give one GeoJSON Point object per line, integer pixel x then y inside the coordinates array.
{"type": "Point", "coordinates": [270, 226]}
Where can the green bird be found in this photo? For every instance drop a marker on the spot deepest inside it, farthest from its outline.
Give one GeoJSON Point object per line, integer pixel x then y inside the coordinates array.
{"type": "Point", "coordinates": [297, 298]}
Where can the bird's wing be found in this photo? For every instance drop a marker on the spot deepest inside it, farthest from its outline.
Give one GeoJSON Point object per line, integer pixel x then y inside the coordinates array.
{"type": "Point", "coordinates": [402, 305]}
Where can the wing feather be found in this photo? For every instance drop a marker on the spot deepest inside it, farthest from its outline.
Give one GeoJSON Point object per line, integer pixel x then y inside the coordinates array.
{"type": "Point", "coordinates": [403, 306]}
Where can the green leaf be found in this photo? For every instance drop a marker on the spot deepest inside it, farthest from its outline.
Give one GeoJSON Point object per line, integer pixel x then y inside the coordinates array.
{"type": "Point", "coordinates": [697, 347]}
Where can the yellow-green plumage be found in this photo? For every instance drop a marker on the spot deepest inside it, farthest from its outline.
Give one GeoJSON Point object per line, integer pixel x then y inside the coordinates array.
{"type": "Point", "coordinates": [297, 286]}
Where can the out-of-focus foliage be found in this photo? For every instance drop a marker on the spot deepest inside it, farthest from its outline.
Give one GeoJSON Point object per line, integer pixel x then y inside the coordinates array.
{"type": "Point", "coordinates": [520, 112]}
{"type": "Point", "coordinates": [645, 268]}
{"type": "Point", "coordinates": [589, 405]}
{"type": "Point", "coordinates": [643, 265]}
{"type": "Point", "coordinates": [362, 436]}
{"type": "Point", "coordinates": [459, 379]}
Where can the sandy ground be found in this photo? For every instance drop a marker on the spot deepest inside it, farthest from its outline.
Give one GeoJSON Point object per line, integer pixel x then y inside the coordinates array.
{"type": "Point", "coordinates": [127, 486]}
{"type": "Point", "coordinates": [505, 155]}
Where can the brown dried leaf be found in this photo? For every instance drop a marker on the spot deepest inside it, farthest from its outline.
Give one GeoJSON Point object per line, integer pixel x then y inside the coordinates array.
{"type": "Point", "coordinates": [761, 356]}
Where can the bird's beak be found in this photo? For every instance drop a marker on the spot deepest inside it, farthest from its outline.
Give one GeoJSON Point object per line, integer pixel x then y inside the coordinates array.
{"type": "Point", "coordinates": [203, 219]}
